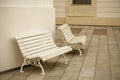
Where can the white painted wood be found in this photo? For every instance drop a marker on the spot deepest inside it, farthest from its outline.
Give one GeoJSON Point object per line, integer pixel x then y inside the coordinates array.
{"type": "Point", "coordinates": [110, 0]}
{"type": "Point", "coordinates": [60, 6]}
{"type": "Point", "coordinates": [109, 4]}
{"type": "Point", "coordinates": [39, 46]}
{"type": "Point", "coordinates": [108, 8]}
{"type": "Point", "coordinates": [76, 42]}
{"type": "Point", "coordinates": [110, 15]}
{"type": "Point", "coordinates": [25, 3]}
{"type": "Point", "coordinates": [60, 14]}
{"type": "Point", "coordinates": [59, 3]}
{"type": "Point", "coordinates": [58, 0]}
{"type": "Point", "coordinates": [60, 9]}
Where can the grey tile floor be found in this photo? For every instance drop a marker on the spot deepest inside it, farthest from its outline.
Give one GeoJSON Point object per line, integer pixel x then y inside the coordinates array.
{"type": "Point", "coordinates": [100, 61]}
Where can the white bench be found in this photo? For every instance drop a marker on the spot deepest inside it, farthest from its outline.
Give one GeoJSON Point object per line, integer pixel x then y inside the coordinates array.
{"type": "Point", "coordinates": [76, 42]}
{"type": "Point", "coordinates": [39, 47]}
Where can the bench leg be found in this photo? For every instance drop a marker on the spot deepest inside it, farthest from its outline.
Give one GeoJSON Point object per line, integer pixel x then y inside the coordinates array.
{"type": "Point", "coordinates": [66, 62]}
{"type": "Point", "coordinates": [24, 62]}
{"type": "Point", "coordinates": [80, 51]}
{"type": "Point", "coordinates": [40, 65]}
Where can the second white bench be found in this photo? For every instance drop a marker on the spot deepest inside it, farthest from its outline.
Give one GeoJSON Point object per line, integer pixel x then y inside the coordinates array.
{"type": "Point", "coordinates": [76, 42]}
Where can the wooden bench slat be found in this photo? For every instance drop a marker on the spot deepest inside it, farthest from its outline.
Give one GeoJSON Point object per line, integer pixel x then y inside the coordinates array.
{"type": "Point", "coordinates": [38, 48]}
{"type": "Point", "coordinates": [38, 51]}
{"type": "Point", "coordinates": [32, 43]}
{"type": "Point", "coordinates": [55, 52]}
{"type": "Point", "coordinates": [34, 38]}
{"type": "Point", "coordinates": [23, 36]}
{"type": "Point", "coordinates": [68, 35]}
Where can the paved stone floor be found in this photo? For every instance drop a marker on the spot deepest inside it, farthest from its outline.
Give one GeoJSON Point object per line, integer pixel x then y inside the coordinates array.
{"type": "Point", "coordinates": [100, 60]}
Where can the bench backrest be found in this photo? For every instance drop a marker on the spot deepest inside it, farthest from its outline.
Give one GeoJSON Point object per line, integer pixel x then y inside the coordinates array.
{"type": "Point", "coordinates": [66, 31]}
{"type": "Point", "coordinates": [38, 42]}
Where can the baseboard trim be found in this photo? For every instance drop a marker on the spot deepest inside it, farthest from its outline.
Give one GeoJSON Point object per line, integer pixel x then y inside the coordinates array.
{"type": "Point", "coordinates": [13, 69]}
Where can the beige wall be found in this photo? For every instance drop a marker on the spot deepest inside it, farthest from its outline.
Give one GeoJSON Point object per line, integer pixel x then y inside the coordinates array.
{"type": "Point", "coordinates": [60, 6]}
{"type": "Point", "coordinates": [60, 9]}
{"type": "Point", "coordinates": [34, 3]}
{"type": "Point", "coordinates": [108, 8]}
{"type": "Point", "coordinates": [107, 13]}
{"type": "Point", "coordinates": [18, 18]}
